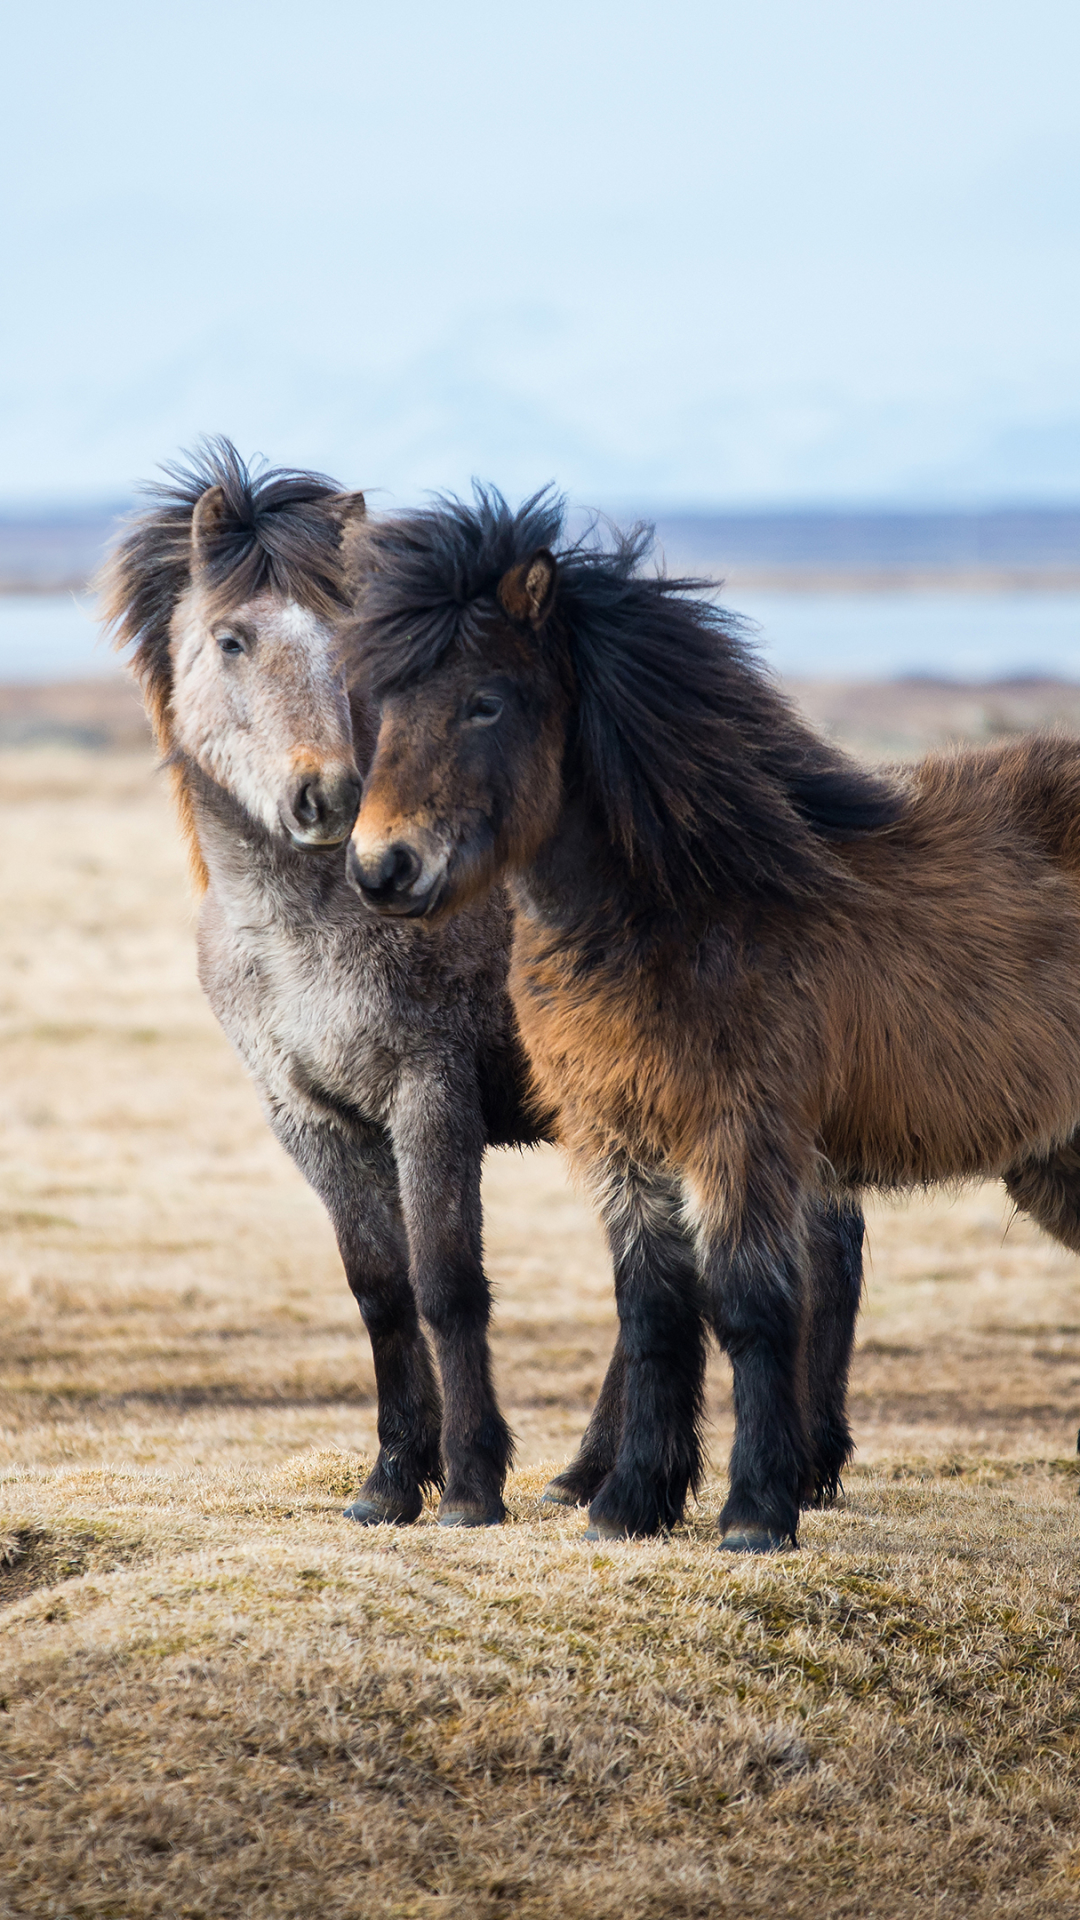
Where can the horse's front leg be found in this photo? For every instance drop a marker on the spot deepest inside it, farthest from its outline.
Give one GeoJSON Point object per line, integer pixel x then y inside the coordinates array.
{"type": "Point", "coordinates": [660, 1357]}
{"type": "Point", "coordinates": [351, 1167]}
{"type": "Point", "coordinates": [439, 1143]}
{"type": "Point", "coordinates": [753, 1256]}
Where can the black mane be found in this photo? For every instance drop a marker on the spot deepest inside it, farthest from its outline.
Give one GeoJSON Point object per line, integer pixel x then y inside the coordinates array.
{"type": "Point", "coordinates": [702, 770]}
{"type": "Point", "coordinates": [275, 534]}
{"type": "Point", "coordinates": [428, 574]}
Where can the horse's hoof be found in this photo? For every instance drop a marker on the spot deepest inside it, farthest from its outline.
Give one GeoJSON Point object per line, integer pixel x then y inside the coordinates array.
{"type": "Point", "coordinates": [755, 1540]}
{"type": "Point", "coordinates": [368, 1513]}
{"type": "Point", "coordinates": [557, 1494]}
{"type": "Point", "coordinates": [470, 1516]}
{"type": "Point", "coordinates": [380, 1513]}
{"type": "Point", "coordinates": [606, 1530]}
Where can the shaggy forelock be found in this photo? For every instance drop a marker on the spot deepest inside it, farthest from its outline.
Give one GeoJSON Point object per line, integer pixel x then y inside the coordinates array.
{"type": "Point", "coordinates": [274, 535]}
{"type": "Point", "coordinates": [426, 576]}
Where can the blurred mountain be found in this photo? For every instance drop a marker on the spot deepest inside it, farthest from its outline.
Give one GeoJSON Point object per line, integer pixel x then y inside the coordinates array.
{"type": "Point", "coordinates": [1004, 547]}
{"type": "Point", "coordinates": [50, 552]}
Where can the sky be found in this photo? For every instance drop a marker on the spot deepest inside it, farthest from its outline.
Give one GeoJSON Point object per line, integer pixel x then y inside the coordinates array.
{"type": "Point", "coordinates": [703, 254]}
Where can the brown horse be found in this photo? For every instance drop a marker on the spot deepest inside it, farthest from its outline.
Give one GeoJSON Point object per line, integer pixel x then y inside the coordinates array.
{"type": "Point", "coordinates": [750, 976]}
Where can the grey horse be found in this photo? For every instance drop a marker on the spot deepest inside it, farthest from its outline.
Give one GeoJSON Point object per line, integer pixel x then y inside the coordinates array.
{"type": "Point", "coordinates": [385, 1058]}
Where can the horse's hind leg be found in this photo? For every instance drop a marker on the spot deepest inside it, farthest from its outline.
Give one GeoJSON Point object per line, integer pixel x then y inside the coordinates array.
{"type": "Point", "coordinates": [352, 1170]}
{"type": "Point", "coordinates": [835, 1262]}
{"type": "Point", "coordinates": [438, 1144]}
{"type": "Point", "coordinates": [1049, 1191]}
{"type": "Point", "coordinates": [596, 1455]}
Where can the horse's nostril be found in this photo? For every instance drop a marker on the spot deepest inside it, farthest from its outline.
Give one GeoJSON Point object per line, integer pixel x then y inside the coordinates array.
{"type": "Point", "coordinates": [309, 806]}
{"type": "Point", "coordinates": [322, 809]}
{"type": "Point", "coordinates": [407, 866]}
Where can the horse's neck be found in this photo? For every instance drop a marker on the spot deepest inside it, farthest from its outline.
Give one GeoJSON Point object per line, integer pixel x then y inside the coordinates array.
{"type": "Point", "coordinates": [583, 889]}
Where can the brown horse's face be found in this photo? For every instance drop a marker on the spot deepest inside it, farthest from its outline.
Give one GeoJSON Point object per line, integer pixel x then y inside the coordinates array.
{"type": "Point", "coordinates": [259, 703]}
{"type": "Point", "coordinates": [467, 777]}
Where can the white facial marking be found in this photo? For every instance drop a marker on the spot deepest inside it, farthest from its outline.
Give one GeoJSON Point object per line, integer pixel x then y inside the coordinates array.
{"type": "Point", "coordinates": [257, 722]}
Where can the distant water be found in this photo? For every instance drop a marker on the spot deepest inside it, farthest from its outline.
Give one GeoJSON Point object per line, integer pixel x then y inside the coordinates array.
{"type": "Point", "coordinates": [949, 636]}
{"type": "Point", "coordinates": [842, 541]}
{"type": "Point", "coordinates": [862, 636]}
{"type": "Point", "coordinates": [45, 636]}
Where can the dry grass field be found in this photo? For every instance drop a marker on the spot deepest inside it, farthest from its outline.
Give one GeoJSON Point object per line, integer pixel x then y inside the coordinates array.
{"type": "Point", "coordinates": [219, 1699]}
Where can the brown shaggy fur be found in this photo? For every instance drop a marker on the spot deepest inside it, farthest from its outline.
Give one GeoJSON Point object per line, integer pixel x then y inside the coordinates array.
{"type": "Point", "coordinates": [896, 1001]}
{"type": "Point", "coordinates": [922, 1026]}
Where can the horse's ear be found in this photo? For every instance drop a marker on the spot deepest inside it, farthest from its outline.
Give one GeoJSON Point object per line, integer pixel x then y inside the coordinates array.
{"type": "Point", "coordinates": [207, 522]}
{"type": "Point", "coordinates": [349, 512]}
{"type": "Point", "coordinates": [346, 509]}
{"type": "Point", "coordinates": [527, 591]}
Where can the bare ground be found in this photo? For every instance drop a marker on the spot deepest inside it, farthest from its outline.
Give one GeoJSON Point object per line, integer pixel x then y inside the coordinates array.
{"type": "Point", "coordinates": [217, 1698]}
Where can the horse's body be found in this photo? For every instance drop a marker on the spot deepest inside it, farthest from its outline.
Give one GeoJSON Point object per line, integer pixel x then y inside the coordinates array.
{"type": "Point", "coordinates": [385, 1056]}
{"type": "Point", "coordinates": [928, 1026]}
{"type": "Point", "coordinates": [384, 1067]}
{"type": "Point", "coordinates": [750, 977]}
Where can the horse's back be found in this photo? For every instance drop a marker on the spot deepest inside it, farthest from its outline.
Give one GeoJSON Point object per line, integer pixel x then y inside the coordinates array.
{"type": "Point", "coordinates": [1024, 790]}
{"type": "Point", "coordinates": [1042, 774]}
{"type": "Point", "coordinates": [961, 1041]}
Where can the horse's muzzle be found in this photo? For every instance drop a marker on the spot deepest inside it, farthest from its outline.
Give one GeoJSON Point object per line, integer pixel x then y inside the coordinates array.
{"type": "Point", "coordinates": [387, 880]}
{"type": "Point", "coordinates": [321, 810]}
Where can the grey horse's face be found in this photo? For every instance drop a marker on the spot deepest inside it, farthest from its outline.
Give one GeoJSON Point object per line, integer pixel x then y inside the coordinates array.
{"type": "Point", "coordinates": [259, 703]}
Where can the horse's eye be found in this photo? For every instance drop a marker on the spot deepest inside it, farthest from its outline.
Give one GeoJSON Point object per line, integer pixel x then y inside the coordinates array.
{"type": "Point", "coordinates": [483, 708]}
{"type": "Point", "coordinates": [230, 643]}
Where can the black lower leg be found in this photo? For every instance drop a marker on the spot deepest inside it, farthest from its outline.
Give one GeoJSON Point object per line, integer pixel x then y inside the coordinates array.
{"type": "Point", "coordinates": [350, 1164]}
{"type": "Point", "coordinates": [662, 1341]}
{"type": "Point", "coordinates": [477, 1443]}
{"type": "Point", "coordinates": [835, 1290]}
{"type": "Point", "coordinates": [595, 1457]}
{"type": "Point", "coordinates": [758, 1322]}
{"type": "Point", "coordinates": [438, 1145]}
{"type": "Point", "coordinates": [409, 1418]}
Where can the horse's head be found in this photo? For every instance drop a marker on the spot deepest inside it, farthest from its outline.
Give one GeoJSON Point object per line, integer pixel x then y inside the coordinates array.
{"type": "Point", "coordinates": [466, 780]}
{"type": "Point", "coordinates": [589, 698]}
{"type": "Point", "coordinates": [259, 701]}
{"type": "Point", "coordinates": [230, 589]}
